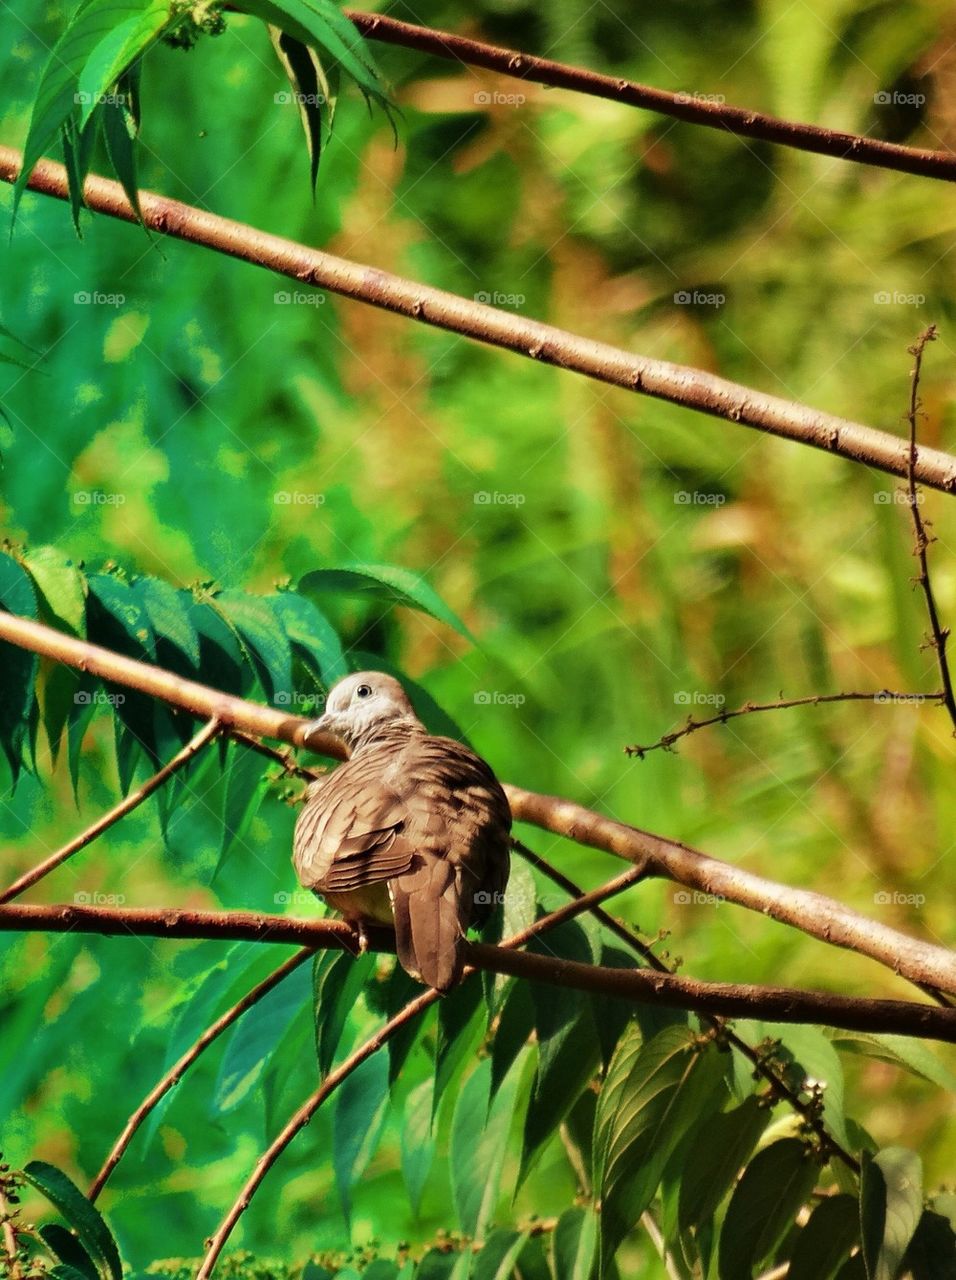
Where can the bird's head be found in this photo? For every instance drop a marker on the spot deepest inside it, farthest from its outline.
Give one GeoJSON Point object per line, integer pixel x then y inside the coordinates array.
{"type": "Point", "coordinates": [359, 707]}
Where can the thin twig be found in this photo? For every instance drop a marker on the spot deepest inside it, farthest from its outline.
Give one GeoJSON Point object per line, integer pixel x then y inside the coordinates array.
{"type": "Point", "coordinates": [107, 820]}
{"type": "Point", "coordinates": [186, 1060]}
{"type": "Point", "coordinates": [8, 1215]}
{"type": "Point", "coordinates": [814, 914]}
{"type": "Point", "coordinates": [695, 107]}
{"type": "Point", "coordinates": [940, 634]}
{"type": "Point", "coordinates": [761, 1064]}
{"type": "Point", "coordinates": [749, 708]}
{"type": "Point", "coordinates": [729, 999]}
{"type": "Point", "coordinates": [661, 379]}
{"type": "Point", "coordinates": [281, 757]}
{"type": "Point", "coordinates": [372, 1045]}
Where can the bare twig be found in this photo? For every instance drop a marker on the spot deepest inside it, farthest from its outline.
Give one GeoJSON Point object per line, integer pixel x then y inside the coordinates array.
{"type": "Point", "coordinates": [8, 1215]}
{"type": "Point", "coordinates": [939, 633]}
{"type": "Point", "coordinates": [125, 806]}
{"type": "Point", "coordinates": [761, 1063]}
{"type": "Point", "coordinates": [728, 999]}
{"type": "Point", "coordinates": [749, 708]}
{"type": "Point", "coordinates": [693, 107]}
{"type": "Point", "coordinates": [818, 916]}
{"type": "Point", "coordinates": [284, 758]}
{"type": "Point", "coordinates": [678, 384]}
{"type": "Point", "coordinates": [186, 1060]}
{"type": "Point", "coordinates": [372, 1045]}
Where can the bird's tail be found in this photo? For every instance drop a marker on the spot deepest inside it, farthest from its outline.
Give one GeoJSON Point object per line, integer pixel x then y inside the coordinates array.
{"type": "Point", "coordinates": [426, 903]}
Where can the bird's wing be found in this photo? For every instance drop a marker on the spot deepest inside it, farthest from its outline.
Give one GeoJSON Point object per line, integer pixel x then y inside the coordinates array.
{"type": "Point", "coordinates": [350, 832]}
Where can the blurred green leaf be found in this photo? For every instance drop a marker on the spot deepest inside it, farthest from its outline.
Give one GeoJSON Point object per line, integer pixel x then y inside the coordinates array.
{"type": "Point", "coordinates": [479, 1137]}
{"type": "Point", "coordinates": [766, 1200]}
{"type": "Point", "coordinates": [389, 583]}
{"type": "Point", "coordinates": [574, 1244]}
{"type": "Point", "coordinates": [832, 1230]}
{"type": "Point", "coordinates": [418, 1144]}
{"type": "Point", "coordinates": [361, 1103]}
{"type": "Point", "coordinates": [891, 1204]}
{"type": "Point", "coordinates": [18, 667]}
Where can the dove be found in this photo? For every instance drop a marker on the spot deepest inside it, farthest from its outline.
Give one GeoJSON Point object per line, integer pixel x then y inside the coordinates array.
{"type": "Point", "coordinates": [412, 830]}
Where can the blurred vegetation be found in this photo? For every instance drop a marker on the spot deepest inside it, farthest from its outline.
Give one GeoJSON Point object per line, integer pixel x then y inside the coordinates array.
{"type": "Point", "coordinates": [620, 562]}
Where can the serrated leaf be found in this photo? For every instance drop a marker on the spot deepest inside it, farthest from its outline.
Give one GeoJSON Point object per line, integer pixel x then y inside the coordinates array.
{"type": "Point", "coordinates": [891, 1205]}
{"type": "Point", "coordinates": [86, 1220]}
{"type": "Point", "coordinates": [773, 1188]}
{"type": "Point", "coordinates": [824, 1244]}
{"type": "Point", "coordinates": [574, 1244]}
{"type": "Point", "coordinates": [18, 667]}
{"type": "Point", "coordinates": [389, 583]}
{"type": "Point", "coordinates": [721, 1147]}
{"type": "Point", "coordinates": [418, 1144]}
{"type": "Point", "coordinates": [103, 37]}
{"type": "Point", "coordinates": [221, 655]}
{"type": "Point", "coordinates": [360, 1106]}
{"type": "Point", "coordinates": [61, 589]}
{"type": "Point", "coordinates": [479, 1139]}
{"type": "Point", "coordinates": [63, 1244]}
{"type": "Point", "coordinates": [338, 979]}
{"type": "Point", "coordinates": [169, 615]}
{"type": "Point", "coordinates": [260, 629]}
{"type": "Point", "coordinates": [312, 633]}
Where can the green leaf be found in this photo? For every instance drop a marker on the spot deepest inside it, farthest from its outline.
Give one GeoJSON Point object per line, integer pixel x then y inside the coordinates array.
{"type": "Point", "coordinates": [479, 1139]}
{"type": "Point", "coordinates": [389, 583]}
{"type": "Point", "coordinates": [311, 632]}
{"type": "Point", "coordinates": [64, 1245]}
{"type": "Point", "coordinates": [418, 1144]}
{"type": "Point", "coordinates": [832, 1230]}
{"type": "Point", "coordinates": [338, 980]}
{"type": "Point", "coordinates": [912, 1055]}
{"type": "Point", "coordinates": [221, 652]}
{"type": "Point", "coordinates": [773, 1188]}
{"type": "Point", "coordinates": [86, 1220]}
{"type": "Point", "coordinates": [259, 627]}
{"type": "Point", "coordinates": [514, 1029]}
{"type": "Point", "coordinates": [498, 1258]}
{"type": "Point", "coordinates": [169, 616]}
{"type": "Point", "coordinates": [816, 1060]}
{"type": "Point", "coordinates": [61, 588]}
{"type": "Point", "coordinates": [458, 1028]}
{"type": "Point", "coordinates": [720, 1149]}
{"type": "Point", "coordinates": [399, 991]}
{"type": "Point", "coordinates": [18, 667]}
{"type": "Point", "coordinates": [256, 1036]}
{"type": "Point", "coordinates": [574, 1244]}
{"type": "Point", "coordinates": [311, 91]}
{"type": "Point", "coordinates": [103, 38]}
{"type": "Point", "coordinates": [932, 1251]}
{"type": "Point", "coordinates": [243, 795]}
{"type": "Point", "coordinates": [653, 1097]}
{"type": "Point", "coordinates": [63, 1271]}
{"type": "Point", "coordinates": [360, 1106]}
{"type": "Point", "coordinates": [891, 1205]}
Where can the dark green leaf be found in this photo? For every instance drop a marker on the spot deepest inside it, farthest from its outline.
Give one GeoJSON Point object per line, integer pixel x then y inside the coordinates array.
{"type": "Point", "coordinates": [514, 1031]}
{"type": "Point", "coordinates": [479, 1138]}
{"type": "Point", "coordinates": [773, 1188]}
{"type": "Point", "coordinates": [891, 1204]}
{"type": "Point", "coordinates": [399, 991]}
{"type": "Point", "coordinates": [360, 1106]}
{"type": "Point", "coordinates": [311, 632]}
{"type": "Point", "coordinates": [221, 653]}
{"type": "Point", "coordinates": [121, 129]}
{"type": "Point", "coordinates": [18, 667]}
{"type": "Point", "coordinates": [243, 794]}
{"type": "Point", "coordinates": [498, 1257]}
{"type": "Point", "coordinates": [169, 616]}
{"type": "Point", "coordinates": [73, 1205]}
{"type": "Point", "coordinates": [310, 90]}
{"type": "Point", "coordinates": [64, 1245]}
{"type": "Point", "coordinates": [384, 582]}
{"type": "Point", "coordinates": [418, 1145]}
{"type": "Point", "coordinates": [574, 1245]}
{"type": "Point", "coordinates": [256, 1036]}
{"type": "Point", "coordinates": [458, 1028]}
{"type": "Point", "coordinates": [832, 1230]}
{"type": "Point", "coordinates": [932, 1251]}
{"type": "Point", "coordinates": [260, 629]}
{"type": "Point", "coordinates": [722, 1145]}
{"type": "Point", "coordinates": [338, 980]}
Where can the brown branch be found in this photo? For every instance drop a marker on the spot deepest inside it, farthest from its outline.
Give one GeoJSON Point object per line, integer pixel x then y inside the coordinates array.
{"type": "Point", "coordinates": [125, 806]}
{"type": "Point", "coordinates": [372, 1045]}
{"type": "Point", "coordinates": [818, 916]}
{"type": "Point", "coordinates": [762, 1065]}
{"type": "Point", "coordinates": [729, 999]}
{"type": "Point", "coordinates": [695, 108]}
{"type": "Point", "coordinates": [660, 379]}
{"type": "Point", "coordinates": [666, 742]}
{"type": "Point", "coordinates": [939, 633]}
{"type": "Point", "coordinates": [8, 1217]}
{"type": "Point", "coordinates": [186, 1060]}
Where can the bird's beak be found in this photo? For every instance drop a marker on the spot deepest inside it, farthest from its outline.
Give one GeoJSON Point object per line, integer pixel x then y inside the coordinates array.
{"type": "Point", "coordinates": [324, 724]}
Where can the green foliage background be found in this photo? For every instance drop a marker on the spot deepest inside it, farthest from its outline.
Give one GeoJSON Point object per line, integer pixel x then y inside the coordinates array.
{"type": "Point", "coordinates": [620, 562]}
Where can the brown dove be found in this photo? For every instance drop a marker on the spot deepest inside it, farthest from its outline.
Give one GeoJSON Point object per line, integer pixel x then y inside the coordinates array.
{"type": "Point", "coordinates": [412, 829]}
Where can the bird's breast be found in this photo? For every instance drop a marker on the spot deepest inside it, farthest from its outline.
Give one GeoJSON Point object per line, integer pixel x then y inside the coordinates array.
{"type": "Point", "coordinates": [372, 903]}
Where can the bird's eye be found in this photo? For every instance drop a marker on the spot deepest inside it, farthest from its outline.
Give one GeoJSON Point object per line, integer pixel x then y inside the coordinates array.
{"type": "Point", "coordinates": [363, 691]}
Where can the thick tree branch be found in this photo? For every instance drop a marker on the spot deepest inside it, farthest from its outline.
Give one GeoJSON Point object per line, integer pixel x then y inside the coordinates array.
{"type": "Point", "coordinates": [939, 634]}
{"type": "Point", "coordinates": [679, 384]}
{"type": "Point", "coordinates": [125, 806]}
{"type": "Point", "coordinates": [186, 1060]}
{"type": "Point", "coordinates": [693, 107]}
{"type": "Point", "coordinates": [728, 999]}
{"type": "Point", "coordinates": [814, 914]}
{"type": "Point", "coordinates": [666, 742]}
